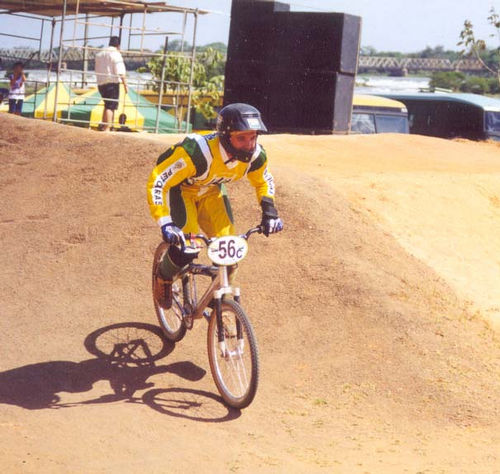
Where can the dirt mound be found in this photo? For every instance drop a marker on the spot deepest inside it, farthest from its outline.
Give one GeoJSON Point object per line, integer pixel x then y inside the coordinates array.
{"type": "Point", "coordinates": [374, 358]}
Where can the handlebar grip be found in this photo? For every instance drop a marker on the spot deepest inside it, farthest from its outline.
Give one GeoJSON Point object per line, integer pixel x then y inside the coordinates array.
{"type": "Point", "coordinates": [197, 236]}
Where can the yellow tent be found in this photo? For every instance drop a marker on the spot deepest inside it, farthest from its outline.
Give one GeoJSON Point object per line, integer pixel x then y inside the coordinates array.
{"type": "Point", "coordinates": [41, 103]}
{"type": "Point", "coordinates": [86, 111]}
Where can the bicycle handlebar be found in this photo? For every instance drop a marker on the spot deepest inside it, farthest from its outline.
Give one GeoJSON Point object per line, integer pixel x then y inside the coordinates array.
{"type": "Point", "coordinates": [254, 230]}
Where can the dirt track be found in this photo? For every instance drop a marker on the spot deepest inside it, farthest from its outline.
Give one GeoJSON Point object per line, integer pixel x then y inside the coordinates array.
{"type": "Point", "coordinates": [373, 311]}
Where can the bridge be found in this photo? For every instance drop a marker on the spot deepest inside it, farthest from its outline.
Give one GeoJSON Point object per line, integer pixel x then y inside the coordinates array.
{"type": "Point", "coordinates": [403, 66]}
{"type": "Point", "coordinates": [73, 57]}
{"type": "Point", "coordinates": [366, 64]}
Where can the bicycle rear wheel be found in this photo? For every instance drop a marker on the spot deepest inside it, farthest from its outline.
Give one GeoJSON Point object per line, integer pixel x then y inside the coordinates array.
{"type": "Point", "coordinates": [235, 369]}
{"type": "Point", "coordinates": [171, 320]}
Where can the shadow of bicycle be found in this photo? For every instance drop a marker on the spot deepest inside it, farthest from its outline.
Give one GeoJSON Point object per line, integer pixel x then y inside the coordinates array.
{"type": "Point", "coordinates": [197, 405]}
{"type": "Point", "coordinates": [127, 356]}
{"type": "Point", "coordinates": [134, 348]}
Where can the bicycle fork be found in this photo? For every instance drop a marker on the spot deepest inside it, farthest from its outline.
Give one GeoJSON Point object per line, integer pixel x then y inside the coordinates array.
{"type": "Point", "coordinates": [224, 289]}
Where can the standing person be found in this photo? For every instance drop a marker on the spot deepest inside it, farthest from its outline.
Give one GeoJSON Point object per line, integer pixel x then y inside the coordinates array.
{"type": "Point", "coordinates": [110, 70]}
{"type": "Point", "coordinates": [186, 188]}
{"type": "Point", "coordinates": [16, 92]}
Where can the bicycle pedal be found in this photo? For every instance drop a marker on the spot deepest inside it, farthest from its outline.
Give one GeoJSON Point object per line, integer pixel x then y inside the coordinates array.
{"type": "Point", "coordinates": [207, 314]}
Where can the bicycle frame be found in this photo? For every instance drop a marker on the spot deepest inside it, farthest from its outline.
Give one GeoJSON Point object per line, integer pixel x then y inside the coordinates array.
{"type": "Point", "coordinates": [231, 343]}
{"type": "Point", "coordinates": [218, 287]}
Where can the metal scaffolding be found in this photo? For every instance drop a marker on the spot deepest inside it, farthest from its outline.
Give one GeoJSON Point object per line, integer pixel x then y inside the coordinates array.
{"type": "Point", "coordinates": [107, 15]}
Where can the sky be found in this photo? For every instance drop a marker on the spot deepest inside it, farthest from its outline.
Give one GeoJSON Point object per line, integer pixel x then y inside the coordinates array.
{"type": "Point", "coordinates": [387, 25]}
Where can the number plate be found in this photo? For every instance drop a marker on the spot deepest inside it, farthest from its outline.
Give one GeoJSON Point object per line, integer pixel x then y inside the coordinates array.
{"type": "Point", "coordinates": [227, 250]}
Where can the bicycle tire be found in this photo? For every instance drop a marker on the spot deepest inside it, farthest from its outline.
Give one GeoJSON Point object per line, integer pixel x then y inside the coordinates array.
{"type": "Point", "coordinates": [242, 363]}
{"type": "Point", "coordinates": [171, 320]}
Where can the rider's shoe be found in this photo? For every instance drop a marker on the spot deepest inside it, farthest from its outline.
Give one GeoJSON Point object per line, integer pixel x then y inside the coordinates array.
{"type": "Point", "coordinates": [163, 292]}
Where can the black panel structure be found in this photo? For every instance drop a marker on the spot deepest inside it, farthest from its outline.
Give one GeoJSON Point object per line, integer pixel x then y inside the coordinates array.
{"type": "Point", "coordinates": [318, 41]}
{"type": "Point", "coordinates": [297, 68]}
{"type": "Point", "coordinates": [318, 102]}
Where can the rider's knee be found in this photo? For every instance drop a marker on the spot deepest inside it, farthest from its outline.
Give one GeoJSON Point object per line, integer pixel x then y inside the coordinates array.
{"type": "Point", "coordinates": [173, 261]}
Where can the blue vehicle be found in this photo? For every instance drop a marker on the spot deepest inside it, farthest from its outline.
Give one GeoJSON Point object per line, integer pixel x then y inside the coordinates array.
{"type": "Point", "coordinates": [450, 115]}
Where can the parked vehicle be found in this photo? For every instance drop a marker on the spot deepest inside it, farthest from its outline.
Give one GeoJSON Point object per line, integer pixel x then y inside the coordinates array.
{"type": "Point", "coordinates": [450, 115]}
{"type": "Point", "coordinates": [372, 114]}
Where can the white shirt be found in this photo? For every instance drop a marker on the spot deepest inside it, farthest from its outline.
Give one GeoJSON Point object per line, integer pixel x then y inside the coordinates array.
{"type": "Point", "coordinates": [16, 91]}
{"type": "Point", "coordinates": [109, 65]}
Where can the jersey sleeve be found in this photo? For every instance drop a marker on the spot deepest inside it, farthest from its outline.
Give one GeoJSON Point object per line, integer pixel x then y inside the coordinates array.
{"type": "Point", "coordinates": [179, 163]}
{"type": "Point", "coordinates": [261, 178]}
{"type": "Point", "coordinates": [172, 168]}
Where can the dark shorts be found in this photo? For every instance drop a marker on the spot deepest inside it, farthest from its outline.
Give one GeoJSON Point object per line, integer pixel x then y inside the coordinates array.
{"type": "Point", "coordinates": [110, 90]}
{"type": "Point", "coordinates": [15, 106]}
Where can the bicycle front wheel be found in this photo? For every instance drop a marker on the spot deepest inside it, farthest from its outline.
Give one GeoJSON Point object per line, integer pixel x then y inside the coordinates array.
{"type": "Point", "coordinates": [235, 363]}
{"type": "Point", "coordinates": [171, 320]}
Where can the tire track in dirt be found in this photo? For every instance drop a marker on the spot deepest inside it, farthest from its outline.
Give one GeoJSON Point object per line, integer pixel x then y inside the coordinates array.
{"type": "Point", "coordinates": [370, 360]}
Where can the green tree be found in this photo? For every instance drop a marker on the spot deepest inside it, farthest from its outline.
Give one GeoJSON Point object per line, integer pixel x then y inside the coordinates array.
{"type": "Point", "coordinates": [473, 46]}
{"type": "Point", "coordinates": [218, 46]}
{"type": "Point", "coordinates": [208, 77]}
{"type": "Point", "coordinates": [213, 62]}
{"type": "Point", "coordinates": [177, 45]}
{"type": "Point", "coordinates": [476, 85]}
{"type": "Point", "coordinates": [458, 81]}
{"type": "Point", "coordinates": [494, 85]}
{"type": "Point", "coordinates": [391, 54]}
{"type": "Point", "coordinates": [437, 52]}
{"type": "Point", "coordinates": [447, 80]}
{"type": "Point", "coordinates": [368, 51]}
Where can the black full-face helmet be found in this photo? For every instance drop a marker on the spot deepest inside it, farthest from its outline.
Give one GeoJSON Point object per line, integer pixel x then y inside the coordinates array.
{"type": "Point", "coordinates": [238, 118]}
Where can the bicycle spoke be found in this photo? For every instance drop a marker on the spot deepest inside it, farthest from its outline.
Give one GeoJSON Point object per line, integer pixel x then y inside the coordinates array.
{"type": "Point", "coordinates": [171, 319]}
{"type": "Point", "coordinates": [235, 371]}
{"type": "Point", "coordinates": [239, 369]}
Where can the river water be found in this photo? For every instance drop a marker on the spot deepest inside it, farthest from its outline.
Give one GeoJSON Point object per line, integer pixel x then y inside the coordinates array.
{"type": "Point", "coordinates": [135, 79]}
{"type": "Point", "coordinates": [365, 84]}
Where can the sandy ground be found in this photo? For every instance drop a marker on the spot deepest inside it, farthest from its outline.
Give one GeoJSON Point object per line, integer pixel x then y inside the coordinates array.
{"type": "Point", "coordinates": [376, 311]}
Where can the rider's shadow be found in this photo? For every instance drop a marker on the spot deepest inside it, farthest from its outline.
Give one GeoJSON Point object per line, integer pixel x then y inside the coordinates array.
{"type": "Point", "coordinates": [126, 364]}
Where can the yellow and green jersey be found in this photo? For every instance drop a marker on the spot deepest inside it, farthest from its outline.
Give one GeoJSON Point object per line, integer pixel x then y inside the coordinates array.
{"type": "Point", "coordinates": [198, 165]}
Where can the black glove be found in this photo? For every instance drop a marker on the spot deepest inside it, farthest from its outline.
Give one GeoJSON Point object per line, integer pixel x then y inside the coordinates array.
{"type": "Point", "coordinates": [271, 226]}
{"type": "Point", "coordinates": [270, 223]}
{"type": "Point", "coordinates": [171, 234]}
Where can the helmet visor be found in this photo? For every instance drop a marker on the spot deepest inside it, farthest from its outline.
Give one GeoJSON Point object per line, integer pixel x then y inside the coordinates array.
{"type": "Point", "coordinates": [251, 122]}
{"type": "Point", "coordinates": [254, 122]}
